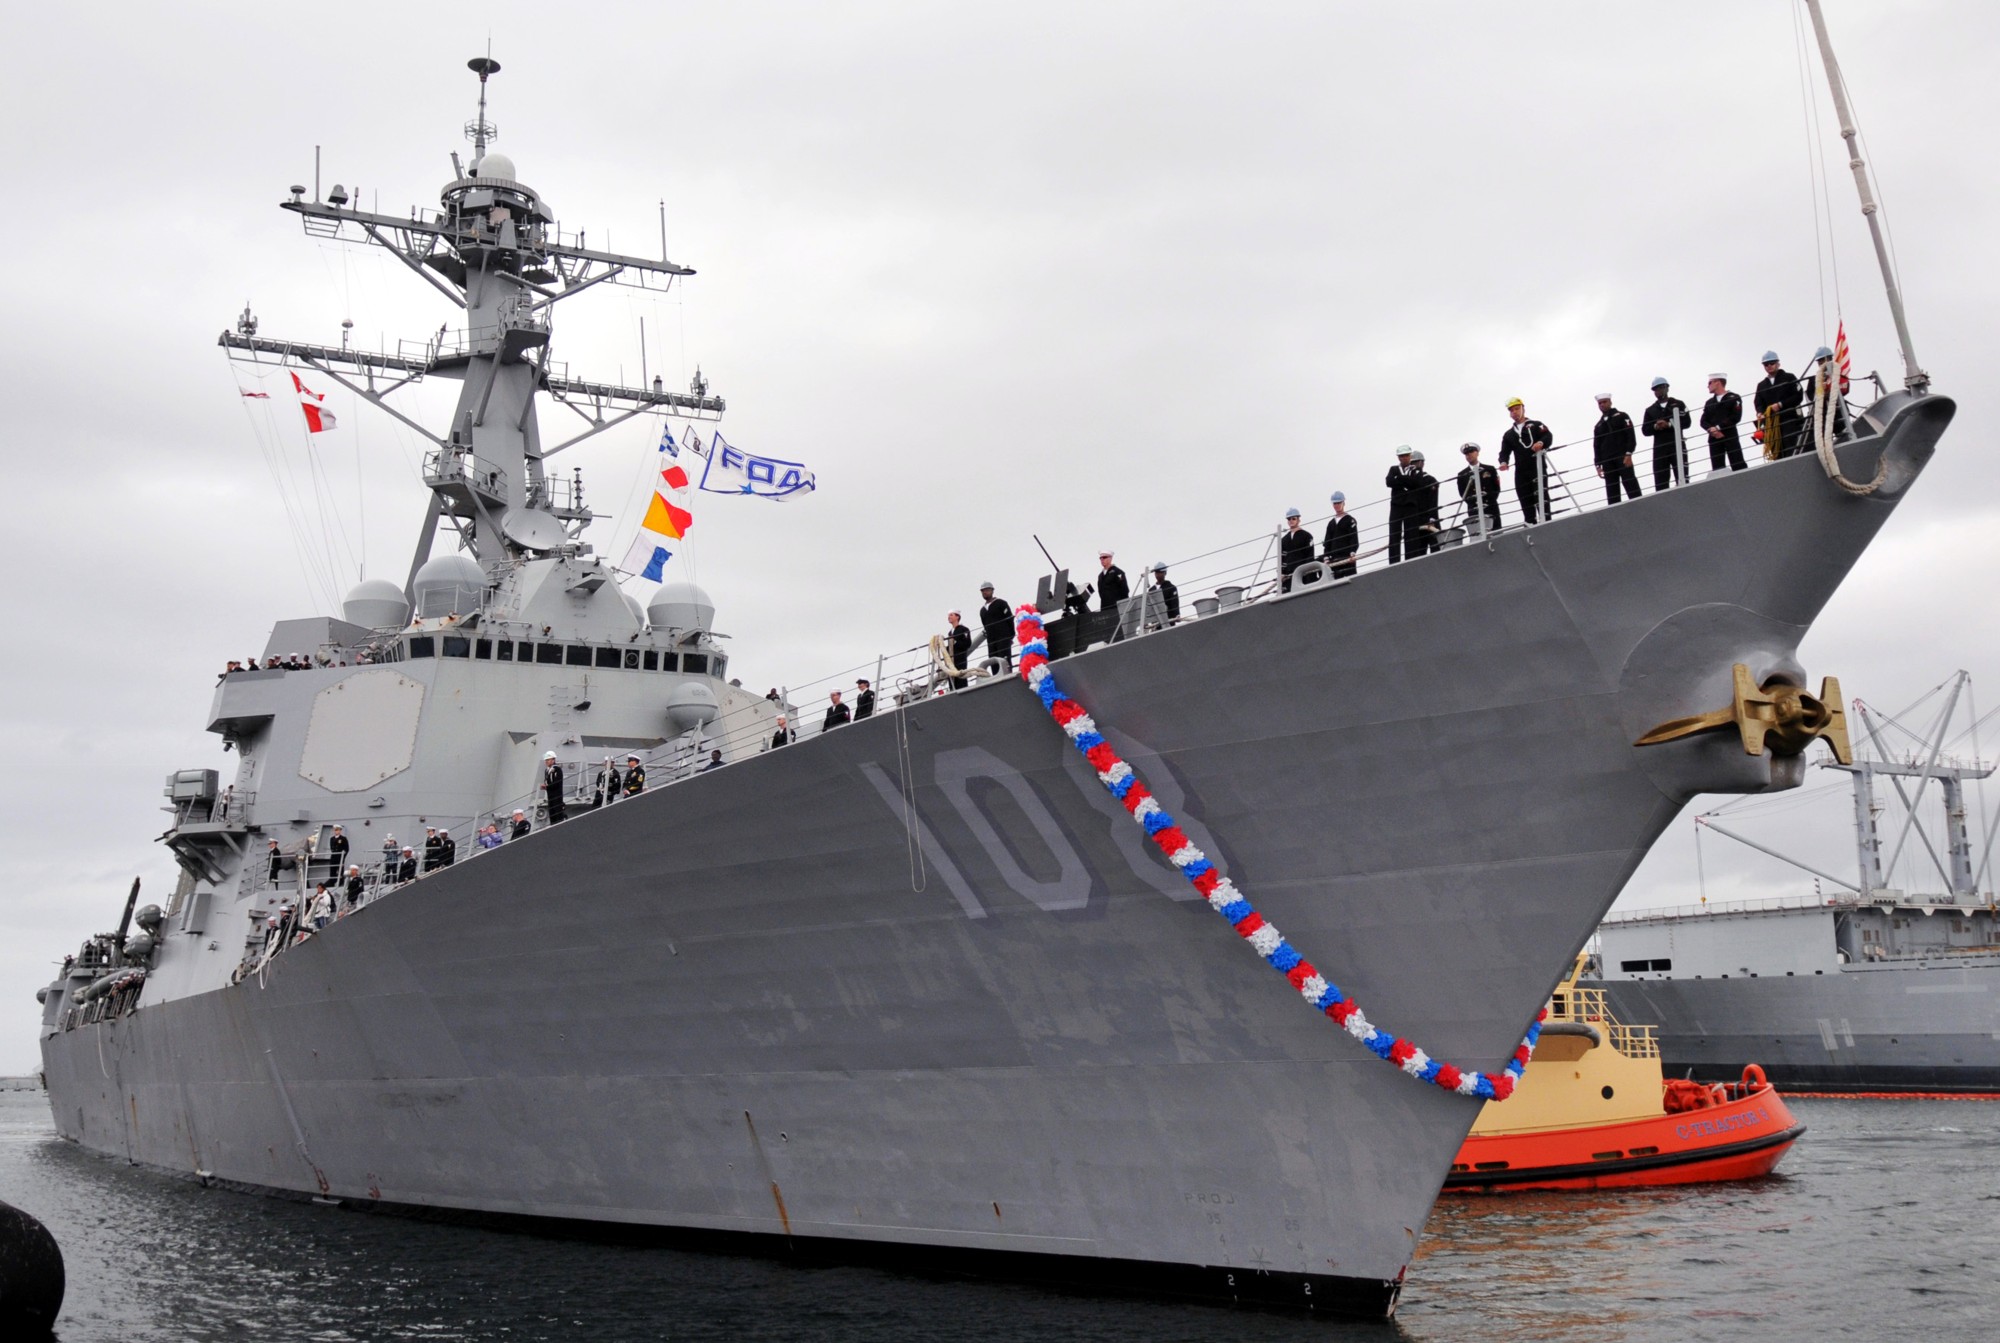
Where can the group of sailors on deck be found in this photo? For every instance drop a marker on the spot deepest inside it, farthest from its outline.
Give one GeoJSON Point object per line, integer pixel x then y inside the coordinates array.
{"type": "Point", "coordinates": [1784, 425]}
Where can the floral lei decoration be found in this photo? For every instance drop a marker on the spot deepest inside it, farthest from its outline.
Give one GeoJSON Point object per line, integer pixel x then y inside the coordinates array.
{"type": "Point", "coordinates": [1118, 777]}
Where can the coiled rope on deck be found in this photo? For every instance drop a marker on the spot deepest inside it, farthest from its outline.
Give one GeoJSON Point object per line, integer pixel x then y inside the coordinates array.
{"type": "Point", "coordinates": [1124, 784]}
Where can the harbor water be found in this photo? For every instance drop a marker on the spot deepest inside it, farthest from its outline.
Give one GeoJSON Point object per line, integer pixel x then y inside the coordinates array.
{"type": "Point", "coordinates": [1881, 1222]}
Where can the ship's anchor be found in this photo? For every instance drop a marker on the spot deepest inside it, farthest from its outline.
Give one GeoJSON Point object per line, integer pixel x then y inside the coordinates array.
{"type": "Point", "coordinates": [1777, 715]}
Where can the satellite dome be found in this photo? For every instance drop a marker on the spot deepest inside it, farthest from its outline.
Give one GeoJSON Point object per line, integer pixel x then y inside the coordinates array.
{"type": "Point", "coordinates": [691, 705]}
{"type": "Point", "coordinates": [448, 585]}
{"type": "Point", "coordinates": [376, 604]}
{"type": "Point", "coordinates": [632, 604]}
{"type": "Point", "coordinates": [680, 606]}
{"type": "Point", "coordinates": [495, 165]}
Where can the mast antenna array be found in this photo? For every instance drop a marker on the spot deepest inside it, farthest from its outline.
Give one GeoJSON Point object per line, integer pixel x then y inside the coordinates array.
{"type": "Point", "coordinates": [482, 132]}
{"type": "Point", "coordinates": [495, 251]}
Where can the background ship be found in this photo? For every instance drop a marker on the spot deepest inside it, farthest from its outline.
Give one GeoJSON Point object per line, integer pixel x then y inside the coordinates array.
{"type": "Point", "coordinates": [957, 1015]}
{"type": "Point", "coordinates": [1867, 987]}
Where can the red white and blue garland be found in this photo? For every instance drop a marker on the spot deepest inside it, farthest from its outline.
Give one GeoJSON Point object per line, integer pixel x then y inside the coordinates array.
{"type": "Point", "coordinates": [1125, 785]}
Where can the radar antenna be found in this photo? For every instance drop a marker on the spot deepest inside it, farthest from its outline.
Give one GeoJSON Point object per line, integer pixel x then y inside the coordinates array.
{"type": "Point", "coordinates": [481, 131]}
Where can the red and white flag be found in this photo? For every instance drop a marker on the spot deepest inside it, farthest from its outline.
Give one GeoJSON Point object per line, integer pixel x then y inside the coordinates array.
{"type": "Point", "coordinates": [1843, 358]}
{"type": "Point", "coordinates": [258, 396]}
{"type": "Point", "coordinates": [318, 417]}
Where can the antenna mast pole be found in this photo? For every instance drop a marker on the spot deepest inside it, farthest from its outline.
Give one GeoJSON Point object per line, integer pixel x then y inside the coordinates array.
{"type": "Point", "coordinates": [1914, 377]}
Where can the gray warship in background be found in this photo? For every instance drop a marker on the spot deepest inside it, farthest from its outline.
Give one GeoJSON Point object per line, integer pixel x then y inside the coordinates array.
{"type": "Point", "coordinates": [915, 990]}
{"type": "Point", "coordinates": [1869, 988]}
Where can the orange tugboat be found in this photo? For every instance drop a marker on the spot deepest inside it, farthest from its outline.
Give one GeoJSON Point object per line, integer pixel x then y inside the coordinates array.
{"type": "Point", "coordinates": [1593, 1111]}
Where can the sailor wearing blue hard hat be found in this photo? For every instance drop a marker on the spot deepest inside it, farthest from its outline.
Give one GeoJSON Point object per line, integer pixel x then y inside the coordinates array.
{"type": "Point", "coordinates": [1169, 594]}
{"type": "Point", "coordinates": [1343, 538]}
{"type": "Point", "coordinates": [1665, 421]}
{"type": "Point", "coordinates": [1779, 391]}
{"type": "Point", "coordinates": [1295, 547]}
{"type": "Point", "coordinates": [1823, 366]}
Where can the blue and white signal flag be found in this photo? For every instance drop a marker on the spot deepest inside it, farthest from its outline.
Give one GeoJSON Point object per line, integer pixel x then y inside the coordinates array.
{"type": "Point", "coordinates": [730, 470]}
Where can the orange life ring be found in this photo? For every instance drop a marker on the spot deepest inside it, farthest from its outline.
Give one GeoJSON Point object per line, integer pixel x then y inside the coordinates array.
{"type": "Point", "coordinates": [1753, 1078]}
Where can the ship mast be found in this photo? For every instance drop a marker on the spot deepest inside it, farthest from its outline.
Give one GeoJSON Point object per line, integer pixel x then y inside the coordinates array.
{"type": "Point", "coordinates": [1914, 377]}
{"type": "Point", "coordinates": [495, 251]}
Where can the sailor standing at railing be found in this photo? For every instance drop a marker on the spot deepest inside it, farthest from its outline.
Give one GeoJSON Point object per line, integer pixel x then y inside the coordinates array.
{"type": "Point", "coordinates": [1169, 594]}
{"type": "Point", "coordinates": [864, 700]}
{"type": "Point", "coordinates": [1481, 503]}
{"type": "Point", "coordinates": [836, 713]}
{"type": "Point", "coordinates": [1295, 547]}
{"type": "Point", "coordinates": [1422, 537]}
{"type": "Point", "coordinates": [1614, 442]}
{"type": "Point", "coordinates": [1823, 364]}
{"type": "Point", "coordinates": [1666, 421]}
{"type": "Point", "coordinates": [1401, 481]}
{"type": "Point", "coordinates": [1521, 449]}
{"type": "Point", "coordinates": [996, 620]}
{"type": "Point", "coordinates": [635, 776]}
{"type": "Point", "coordinates": [1719, 417]}
{"type": "Point", "coordinates": [336, 848]}
{"type": "Point", "coordinates": [552, 787]}
{"type": "Point", "coordinates": [1111, 585]}
{"type": "Point", "coordinates": [958, 648]}
{"type": "Point", "coordinates": [1781, 390]}
{"type": "Point", "coordinates": [1343, 539]}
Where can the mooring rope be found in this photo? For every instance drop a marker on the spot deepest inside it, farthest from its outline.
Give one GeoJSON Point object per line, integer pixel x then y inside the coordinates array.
{"type": "Point", "coordinates": [1124, 784]}
{"type": "Point", "coordinates": [1824, 395]}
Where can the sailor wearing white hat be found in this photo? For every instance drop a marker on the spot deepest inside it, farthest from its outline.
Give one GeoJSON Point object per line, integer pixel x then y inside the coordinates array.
{"type": "Point", "coordinates": [1111, 585]}
{"type": "Point", "coordinates": [1479, 491]}
{"type": "Point", "coordinates": [1719, 417]}
{"type": "Point", "coordinates": [1613, 442]}
{"type": "Point", "coordinates": [552, 787]}
{"type": "Point", "coordinates": [1401, 480]}
{"type": "Point", "coordinates": [1666, 420]}
{"type": "Point", "coordinates": [996, 621]}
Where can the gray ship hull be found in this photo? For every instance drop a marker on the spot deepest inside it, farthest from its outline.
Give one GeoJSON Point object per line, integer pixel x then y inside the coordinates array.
{"type": "Point", "coordinates": [758, 1003]}
{"type": "Point", "coordinates": [1898, 1027]}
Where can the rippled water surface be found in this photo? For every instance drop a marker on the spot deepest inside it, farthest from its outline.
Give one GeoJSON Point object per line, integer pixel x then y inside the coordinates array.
{"type": "Point", "coordinates": [1883, 1223]}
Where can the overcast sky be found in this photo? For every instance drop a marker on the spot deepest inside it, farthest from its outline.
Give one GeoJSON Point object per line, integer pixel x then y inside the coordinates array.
{"type": "Point", "coordinates": [1131, 275]}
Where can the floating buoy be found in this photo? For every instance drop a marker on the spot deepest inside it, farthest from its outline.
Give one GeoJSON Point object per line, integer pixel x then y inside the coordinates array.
{"type": "Point", "coordinates": [31, 1276]}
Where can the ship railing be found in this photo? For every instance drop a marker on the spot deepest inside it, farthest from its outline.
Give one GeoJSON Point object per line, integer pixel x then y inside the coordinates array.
{"type": "Point", "coordinates": [1248, 570]}
{"type": "Point", "coordinates": [1770, 904]}
{"type": "Point", "coordinates": [229, 807]}
{"type": "Point", "coordinates": [1588, 1007]}
{"type": "Point", "coordinates": [455, 462]}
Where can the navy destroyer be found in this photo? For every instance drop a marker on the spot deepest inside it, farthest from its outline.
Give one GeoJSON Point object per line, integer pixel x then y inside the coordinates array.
{"type": "Point", "coordinates": [1861, 985]}
{"type": "Point", "coordinates": [954, 1013]}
